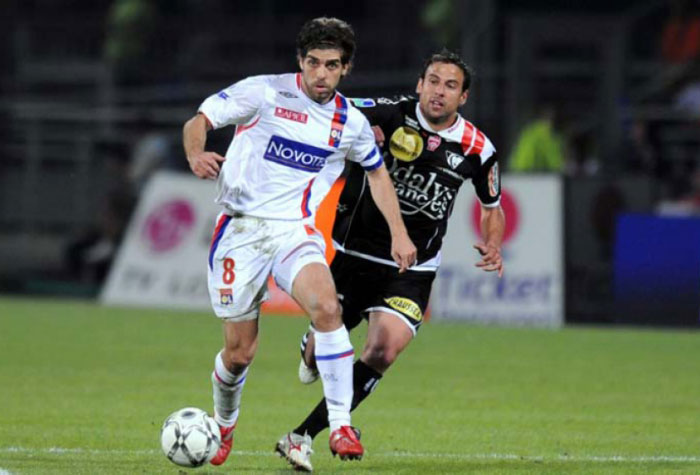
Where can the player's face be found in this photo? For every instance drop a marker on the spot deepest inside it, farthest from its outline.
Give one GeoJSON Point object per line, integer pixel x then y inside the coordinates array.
{"type": "Point", "coordinates": [321, 70]}
{"type": "Point", "coordinates": [440, 93]}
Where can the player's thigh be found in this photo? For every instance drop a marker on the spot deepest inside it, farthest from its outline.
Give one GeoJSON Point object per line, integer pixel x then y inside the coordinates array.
{"type": "Point", "coordinates": [314, 290]}
{"type": "Point", "coordinates": [403, 296]}
{"type": "Point", "coordinates": [299, 249]}
{"type": "Point", "coordinates": [300, 269]}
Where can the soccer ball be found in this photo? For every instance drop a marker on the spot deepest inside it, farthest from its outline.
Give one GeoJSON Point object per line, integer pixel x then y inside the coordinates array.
{"type": "Point", "coordinates": [190, 437]}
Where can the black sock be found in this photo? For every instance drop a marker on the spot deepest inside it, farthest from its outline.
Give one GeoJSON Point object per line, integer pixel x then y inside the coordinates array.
{"type": "Point", "coordinates": [364, 380]}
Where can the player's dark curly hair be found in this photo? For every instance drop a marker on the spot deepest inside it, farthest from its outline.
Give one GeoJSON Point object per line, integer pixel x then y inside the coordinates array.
{"type": "Point", "coordinates": [450, 57]}
{"type": "Point", "coordinates": [327, 33]}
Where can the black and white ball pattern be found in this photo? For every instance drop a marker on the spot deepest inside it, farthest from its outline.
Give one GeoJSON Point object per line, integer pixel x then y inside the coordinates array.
{"type": "Point", "coordinates": [190, 437]}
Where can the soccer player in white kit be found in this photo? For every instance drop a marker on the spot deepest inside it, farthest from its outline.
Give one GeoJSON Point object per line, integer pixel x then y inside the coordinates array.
{"type": "Point", "coordinates": [293, 133]}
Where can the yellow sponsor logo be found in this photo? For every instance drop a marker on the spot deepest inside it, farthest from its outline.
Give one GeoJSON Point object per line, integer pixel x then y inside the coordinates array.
{"type": "Point", "coordinates": [405, 144]}
{"type": "Point", "coordinates": [406, 306]}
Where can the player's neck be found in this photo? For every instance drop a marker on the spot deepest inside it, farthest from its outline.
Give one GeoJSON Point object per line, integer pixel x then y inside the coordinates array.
{"type": "Point", "coordinates": [446, 123]}
{"type": "Point", "coordinates": [439, 124]}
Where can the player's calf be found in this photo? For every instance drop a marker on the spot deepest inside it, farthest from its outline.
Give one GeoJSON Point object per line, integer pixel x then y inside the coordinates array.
{"type": "Point", "coordinates": [380, 355]}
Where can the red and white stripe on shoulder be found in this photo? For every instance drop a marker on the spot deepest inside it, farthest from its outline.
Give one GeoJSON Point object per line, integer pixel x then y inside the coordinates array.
{"type": "Point", "coordinates": [242, 128]}
{"type": "Point", "coordinates": [475, 142]}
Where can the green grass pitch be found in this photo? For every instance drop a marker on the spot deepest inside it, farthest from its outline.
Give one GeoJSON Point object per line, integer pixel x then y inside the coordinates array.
{"type": "Point", "coordinates": [84, 389]}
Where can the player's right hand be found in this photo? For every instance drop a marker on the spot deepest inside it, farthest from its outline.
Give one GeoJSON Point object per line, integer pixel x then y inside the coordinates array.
{"type": "Point", "coordinates": [491, 259]}
{"type": "Point", "coordinates": [403, 251]}
{"type": "Point", "coordinates": [206, 165]}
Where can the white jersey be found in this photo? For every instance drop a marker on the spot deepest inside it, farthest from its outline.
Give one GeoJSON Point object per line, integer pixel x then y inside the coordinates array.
{"type": "Point", "coordinates": [283, 141]}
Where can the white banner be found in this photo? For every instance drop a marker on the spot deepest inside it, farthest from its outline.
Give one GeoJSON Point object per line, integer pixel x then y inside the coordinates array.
{"type": "Point", "coordinates": [163, 257]}
{"type": "Point", "coordinates": [531, 291]}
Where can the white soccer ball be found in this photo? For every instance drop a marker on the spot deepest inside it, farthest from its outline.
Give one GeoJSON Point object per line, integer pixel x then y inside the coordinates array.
{"type": "Point", "coordinates": [190, 437]}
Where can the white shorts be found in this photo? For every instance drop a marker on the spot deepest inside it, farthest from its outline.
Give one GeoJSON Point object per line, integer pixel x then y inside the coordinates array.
{"type": "Point", "coordinates": [245, 251]}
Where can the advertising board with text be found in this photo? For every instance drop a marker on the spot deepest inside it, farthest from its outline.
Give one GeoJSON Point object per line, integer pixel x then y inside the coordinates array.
{"type": "Point", "coordinates": [531, 290]}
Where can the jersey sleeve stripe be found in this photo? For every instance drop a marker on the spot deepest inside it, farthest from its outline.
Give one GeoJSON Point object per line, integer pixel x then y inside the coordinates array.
{"type": "Point", "coordinates": [372, 161]}
{"type": "Point", "coordinates": [242, 128]}
{"type": "Point", "coordinates": [468, 138]}
{"type": "Point", "coordinates": [216, 237]}
{"type": "Point", "coordinates": [491, 205]}
{"type": "Point", "coordinates": [373, 166]}
{"type": "Point", "coordinates": [371, 155]}
{"type": "Point", "coordinates": [479, 142]}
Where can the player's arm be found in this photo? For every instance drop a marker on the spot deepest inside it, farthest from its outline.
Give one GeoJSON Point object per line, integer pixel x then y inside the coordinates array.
{"type": "Point", "coordinates": [366, 153]}
{"type": "Point", "coordinates": [194, 136]}
{"type": "Point", "coordinates": [402, 249]}
{"type": "Point", "coordinates": [237, 104]}
{"type": "Point", "coordinates": [487, 184]}
{"type": "Point", "coordinates": [379, 135]}
{"type": "Point", "coordinates": [493, 225]}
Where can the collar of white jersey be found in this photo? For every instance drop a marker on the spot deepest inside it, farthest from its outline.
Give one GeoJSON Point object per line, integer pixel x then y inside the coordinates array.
{"type": "Point", "coordinates": [328, 105]}
{"type": "Point", "coordinates": [453, 133]}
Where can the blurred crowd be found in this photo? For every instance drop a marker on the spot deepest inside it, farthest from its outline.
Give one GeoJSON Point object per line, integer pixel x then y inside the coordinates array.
{"type": "Point", "coordinates": [155, 50]}
{"type": "Point", "coordinates": [660, 131]}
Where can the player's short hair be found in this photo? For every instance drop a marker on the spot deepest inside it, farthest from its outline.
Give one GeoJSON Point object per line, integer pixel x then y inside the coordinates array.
{"type": "Point", "coordinates": [450, 57]}
{"type": "Point", "coordinates": [327, 33]}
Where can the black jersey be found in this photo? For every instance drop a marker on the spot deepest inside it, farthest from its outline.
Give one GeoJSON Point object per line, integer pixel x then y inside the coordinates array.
{"type": "Point", "coordinates": [427, 169]}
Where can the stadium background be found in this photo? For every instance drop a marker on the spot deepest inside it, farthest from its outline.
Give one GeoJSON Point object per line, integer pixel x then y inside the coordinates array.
{"type": "Point", "coordinates": [95, 93]}
{"type": "Point", "coordinates": [602, 97]}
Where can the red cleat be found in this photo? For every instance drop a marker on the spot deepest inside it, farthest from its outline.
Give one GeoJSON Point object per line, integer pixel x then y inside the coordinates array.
{"type": "Point", "coordinates": [345, 442]}
{"type": "Point", "coordinates": [226, 445]}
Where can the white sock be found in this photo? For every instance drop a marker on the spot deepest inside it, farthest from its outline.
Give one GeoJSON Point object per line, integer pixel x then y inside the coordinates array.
{"type": "Point", "coordinates": [227, 389]}
{"type": "Point", "coordinates": [334, 359]}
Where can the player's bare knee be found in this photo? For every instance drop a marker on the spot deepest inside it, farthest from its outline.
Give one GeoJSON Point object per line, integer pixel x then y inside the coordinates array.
{"type": "Point", "coordinates": [379, 356]}
{"type": "Point", "coordinates": [239, 358]}
{"type": "Point", "coordinates": [325, 315]}
{"type": "Point", "coordinates": [329, 308]}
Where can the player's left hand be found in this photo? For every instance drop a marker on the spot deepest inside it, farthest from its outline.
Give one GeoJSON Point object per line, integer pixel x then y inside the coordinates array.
{"type": "Point", "coordinates": [491, 259]}
{"type": "Point", "coordinates": [403, 251]}
{"type": "Point", "coordinates": [378, 135]}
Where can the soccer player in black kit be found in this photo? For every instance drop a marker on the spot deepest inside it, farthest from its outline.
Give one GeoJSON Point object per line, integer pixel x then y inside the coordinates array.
{"type": "Point", "coordinates": [430, 151]}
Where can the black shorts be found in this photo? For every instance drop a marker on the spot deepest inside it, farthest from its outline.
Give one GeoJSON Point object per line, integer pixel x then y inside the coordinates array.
{"type": "Point", "coordinates": [365, 286]}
